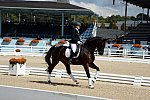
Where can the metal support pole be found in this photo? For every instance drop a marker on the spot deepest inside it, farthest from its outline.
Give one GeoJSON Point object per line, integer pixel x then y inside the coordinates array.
{"type": "Point", "coordinates": [142, 15]}
{"type": "Point", "coordinates": [147, 15]}
{"type": "Point", "coordinates": [74, 18]}
{"type": "Point", "coordinates": [34, 18]}
{"type": "Point", "coordinates": [148, 12]}
{"type": "Point", "coordinates": [62, 25]}
{"type": "Point", "coordinates": [125, 21]}
{"type": "Point", "coordinates": [0, 23]}
{"type": "Point", "coordinates": [19, 18]}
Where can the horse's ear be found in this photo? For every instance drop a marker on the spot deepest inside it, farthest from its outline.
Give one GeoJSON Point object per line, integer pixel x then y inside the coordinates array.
{"type": "Point", "coordinates": [105, 40]}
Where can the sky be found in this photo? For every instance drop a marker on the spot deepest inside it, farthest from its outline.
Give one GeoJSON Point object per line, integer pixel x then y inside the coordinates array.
{"type": "Point", "coordinates": [106, 8]}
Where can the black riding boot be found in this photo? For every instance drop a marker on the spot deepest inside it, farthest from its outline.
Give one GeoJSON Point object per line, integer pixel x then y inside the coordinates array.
{"type": "Point", "coordinates": [71, 56]}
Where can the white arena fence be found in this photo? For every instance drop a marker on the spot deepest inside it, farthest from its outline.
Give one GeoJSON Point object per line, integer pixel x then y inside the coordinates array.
{"type": "Point", "coordinates": [105, 77]}
{"type": "Point", "coordinates": [41, 50]}
{"type": "Point", "coordinates": [127, 53]}
{"type": "Point", "coordinates": [24, 50]}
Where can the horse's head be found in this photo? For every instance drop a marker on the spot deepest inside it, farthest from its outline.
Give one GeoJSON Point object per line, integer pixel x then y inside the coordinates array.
{"type": "Point", "coordinates": [101, 46]}
{"type": "Point", "coordinates": [96, 42]}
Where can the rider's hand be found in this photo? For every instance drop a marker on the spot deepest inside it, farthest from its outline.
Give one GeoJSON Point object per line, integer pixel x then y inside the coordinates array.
{"type": "Point", "coordinates": [79, 42]}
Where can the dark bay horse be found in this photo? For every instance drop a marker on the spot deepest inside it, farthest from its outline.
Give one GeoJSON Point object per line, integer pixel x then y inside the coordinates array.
{"type": "Point", "coordinates": [85, 58]}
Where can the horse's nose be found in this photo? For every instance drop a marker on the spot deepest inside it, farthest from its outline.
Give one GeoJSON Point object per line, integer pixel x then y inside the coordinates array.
{"type": "Point", "coordinates": [101, 52]}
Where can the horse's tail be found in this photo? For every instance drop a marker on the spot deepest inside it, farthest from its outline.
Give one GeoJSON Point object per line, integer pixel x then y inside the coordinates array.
{"type": "Point", "coordinates": [48, 55]}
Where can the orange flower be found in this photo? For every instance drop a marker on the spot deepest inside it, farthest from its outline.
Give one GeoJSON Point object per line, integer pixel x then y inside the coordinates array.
{"type": "Point", "coordinates": [137, 45]}
{"type": "Point", "coordinates": [17, 60]}
{"type": "Point", "coordinates": [20, 40]}
{"type": "Point", "coordinates": [34, 41]}
{"type": "Point", "coordinates": [62, 42]}
{"type": "Point", "coordinates": [18, 50]}
{"type": "Point", "coordinates": [116, 45]}
{"type": "Point", "coordinates": [7, 39]}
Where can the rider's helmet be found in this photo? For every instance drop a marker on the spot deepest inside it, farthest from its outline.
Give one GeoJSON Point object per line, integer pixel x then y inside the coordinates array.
{"type": "Point", "coordinates": [76, 24]}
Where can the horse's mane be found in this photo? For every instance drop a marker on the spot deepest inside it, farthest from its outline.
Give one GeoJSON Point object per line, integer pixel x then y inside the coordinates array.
{"type": "Point", "coordinates": [91, 39]}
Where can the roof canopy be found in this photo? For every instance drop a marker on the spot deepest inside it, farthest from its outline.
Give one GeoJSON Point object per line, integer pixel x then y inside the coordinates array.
{"type": "Point", "coordinates": [48, 6]}
{"type": "Point", "coordinates": [140, 3]}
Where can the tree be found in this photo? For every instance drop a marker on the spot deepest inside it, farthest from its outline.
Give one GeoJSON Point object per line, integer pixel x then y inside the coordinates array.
{"type": "Point", "coordinates": [122, 27]}
{"type": "Point", "coordinates": [112, 25]}
{"type": "Point", "coordinates": [139, 16]}
{"type": "Point", "coordinates": [103, 25]}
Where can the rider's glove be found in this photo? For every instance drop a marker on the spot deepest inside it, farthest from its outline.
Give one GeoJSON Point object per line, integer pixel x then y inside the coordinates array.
{"type": "Point", "coordinates": [79, 42]}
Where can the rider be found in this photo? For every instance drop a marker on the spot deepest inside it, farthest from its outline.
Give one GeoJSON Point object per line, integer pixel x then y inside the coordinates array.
{"type": "Point", "coordinates": [75, 38]}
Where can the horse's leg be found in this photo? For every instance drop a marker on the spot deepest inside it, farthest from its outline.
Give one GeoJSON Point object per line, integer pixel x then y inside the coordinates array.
{"type": "Point", "coordinates": [92, 65]}
{"type": "Point", "coordinates": [90, 82]}
{"type": "Point", "coordinates": [50, 69]}
{"type": "Point", "coordinates": [70, 74]}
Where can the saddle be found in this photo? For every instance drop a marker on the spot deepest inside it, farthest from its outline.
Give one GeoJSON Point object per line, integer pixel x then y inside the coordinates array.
{"type": "Point", "coordinates": [74, 57]}
{"type": "Point", "coordinates": [72, 49]}
{"type": "Point", "coordinates": [61, 43]}
{"type": "Point", "coordinates": [77, 51]}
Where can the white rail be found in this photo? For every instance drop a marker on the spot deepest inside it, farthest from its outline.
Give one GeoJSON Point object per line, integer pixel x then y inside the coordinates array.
{"type": "Point", "coordinates": [24, 50]}
{"type": "Point", "coordinates": [127, 53]}
{"type": "Point", "coordinates": [40, 50]}
{"type": "Point", "coordinates": [115, 78]}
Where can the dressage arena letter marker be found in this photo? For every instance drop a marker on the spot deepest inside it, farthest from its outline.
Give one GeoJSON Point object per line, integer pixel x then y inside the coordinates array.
{"type": "Point", "coordinates": [58, 74]}
{"type": "Point", "coordinates": [137, 80]}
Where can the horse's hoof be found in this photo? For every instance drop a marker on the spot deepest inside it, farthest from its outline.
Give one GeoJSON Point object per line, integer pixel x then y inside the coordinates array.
{"type": "Point", "coordinates": [77, 83]}
{"type": "Point", "coordinates": [91, 87]}
{"type": "Point", "coordinates": [49, 82]}
{"type": "Point", "coordinates": [46, 70]}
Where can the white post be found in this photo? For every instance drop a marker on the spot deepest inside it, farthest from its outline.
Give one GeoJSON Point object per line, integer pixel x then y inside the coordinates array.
{"type": "Point", "coordinates": [109, 52]}
{"type": "Point", "coordinates": [138, 80]}
{"type": "Point", "coordinates": [58, 74]}
{"type": "Point", "coordinates": [31, 48]}
{"type": "Point", "coordinates": [125, 52]}
{"type": "Point", "coordinates": [0, 23]}
{"type": "Point", "coordinates": [62, 26]}
{"type": "Point", "coordinates": [143, 54]}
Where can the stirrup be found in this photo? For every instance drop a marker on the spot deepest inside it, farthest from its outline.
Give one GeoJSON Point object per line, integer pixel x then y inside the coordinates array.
{"type": "Point", "coordinates": [70, 61]}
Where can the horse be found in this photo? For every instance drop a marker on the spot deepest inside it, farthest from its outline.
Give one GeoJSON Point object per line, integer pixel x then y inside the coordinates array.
{"type": "Point", "coordinates": [86, 58]}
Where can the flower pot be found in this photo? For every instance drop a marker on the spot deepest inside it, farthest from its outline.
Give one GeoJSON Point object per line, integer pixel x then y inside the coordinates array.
{"type": "Point", "coordinates": [20, 41]}
{"type": "Point", "coordinates": [17, 69]}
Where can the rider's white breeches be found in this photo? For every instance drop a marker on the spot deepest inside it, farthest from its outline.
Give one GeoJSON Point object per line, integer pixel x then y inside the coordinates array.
{"type": "Point", "coordinates": [74, 47]}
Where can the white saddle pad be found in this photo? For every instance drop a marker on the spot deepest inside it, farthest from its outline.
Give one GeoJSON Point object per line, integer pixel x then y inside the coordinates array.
{"type": "Point", "coordinates": [67, 53]}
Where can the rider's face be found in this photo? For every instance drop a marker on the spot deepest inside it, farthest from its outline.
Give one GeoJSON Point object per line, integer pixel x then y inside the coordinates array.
{"type": "Point", "coordinates": [78, 27]}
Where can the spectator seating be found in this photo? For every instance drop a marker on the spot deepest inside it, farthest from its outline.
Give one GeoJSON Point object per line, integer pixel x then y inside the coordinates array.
{"type": "Point", "coordinates": [109, 33]}
{"type": "Point", "coordinates": [32, 30]}
{"type": "Point", "coordinates": [87, 33]}
{"type": "Point", "coordinates": [139, 33]}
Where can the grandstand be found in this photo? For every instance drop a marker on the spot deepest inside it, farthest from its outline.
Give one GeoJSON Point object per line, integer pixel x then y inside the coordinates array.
{"type": "Point", "coordinates": [42, 19]}
{"type": "Point", "coordinates": [87, 33]}
{"type": "Point", "coordinates": [59, 22]}
{"type": "Point", "coordinates": [110, 34]}
{"type": "Point", "coordinates": [139, 33]}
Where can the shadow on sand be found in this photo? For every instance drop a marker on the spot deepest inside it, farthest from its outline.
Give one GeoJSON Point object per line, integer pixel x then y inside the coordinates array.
{"type": "Point", "coordinates": [56, 83]}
